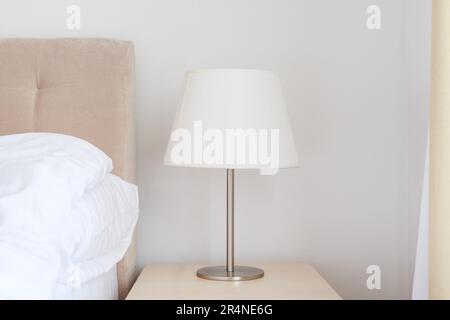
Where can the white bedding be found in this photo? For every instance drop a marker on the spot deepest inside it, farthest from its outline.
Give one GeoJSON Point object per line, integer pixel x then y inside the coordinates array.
{"type": "Point", "coordinates": [103, 287]}
{"type": "Point", "coordinates": [103, 222]}
{"type": "Point", "coordinates": [63, 218]}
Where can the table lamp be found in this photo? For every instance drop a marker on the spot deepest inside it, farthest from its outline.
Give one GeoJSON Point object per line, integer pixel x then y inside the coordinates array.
{"type": "Point", "coordinates": [231, 119]}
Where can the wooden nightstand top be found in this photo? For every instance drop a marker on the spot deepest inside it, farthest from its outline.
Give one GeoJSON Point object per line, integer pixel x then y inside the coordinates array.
{"type": "Point", "coordinates": [281, 281]}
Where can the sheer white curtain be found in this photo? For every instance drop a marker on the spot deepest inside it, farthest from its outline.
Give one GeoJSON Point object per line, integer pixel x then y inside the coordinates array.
{"type": "Point", "coordinates": [439, 237]}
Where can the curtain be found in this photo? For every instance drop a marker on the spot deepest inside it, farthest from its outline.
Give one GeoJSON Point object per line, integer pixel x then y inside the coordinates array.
{"type": "Point", "coordinates": [439, 228]}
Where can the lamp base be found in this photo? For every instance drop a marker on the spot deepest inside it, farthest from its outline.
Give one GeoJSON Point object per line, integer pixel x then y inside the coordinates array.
{"type": "Point", "coordinates": [220, 273]}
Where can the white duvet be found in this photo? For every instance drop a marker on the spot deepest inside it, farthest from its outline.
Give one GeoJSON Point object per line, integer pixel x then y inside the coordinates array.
{"type": "Point", "coordinates": [102, 228]}
{"type": "Point", "coordinates": [46, 184]}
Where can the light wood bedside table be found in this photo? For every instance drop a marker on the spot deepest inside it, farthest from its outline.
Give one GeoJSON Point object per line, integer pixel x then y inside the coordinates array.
{"type": "Point", "coordinates": [290, 281]}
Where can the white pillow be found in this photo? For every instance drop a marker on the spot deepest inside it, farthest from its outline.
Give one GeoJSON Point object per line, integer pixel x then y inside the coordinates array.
{"type": "Point", "coordinates": [42, 177]}
{"type": "Point", "coordinates": [41, 146]}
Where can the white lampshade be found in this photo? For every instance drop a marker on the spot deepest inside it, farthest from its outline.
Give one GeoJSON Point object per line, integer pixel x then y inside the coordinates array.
{"type": "Point", "coordinates": [224, 103]}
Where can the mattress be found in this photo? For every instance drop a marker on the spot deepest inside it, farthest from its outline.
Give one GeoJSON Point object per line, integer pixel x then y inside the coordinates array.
{"type": "Point", "coordinates": [103, 287]}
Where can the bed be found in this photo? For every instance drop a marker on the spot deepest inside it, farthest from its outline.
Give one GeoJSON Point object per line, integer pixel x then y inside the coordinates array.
{"type": "Point", "coordinates": [82, 88]}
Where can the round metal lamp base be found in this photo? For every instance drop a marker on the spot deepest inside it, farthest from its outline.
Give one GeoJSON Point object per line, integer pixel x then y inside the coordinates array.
{"type": "Point", "coordinates": [220, 273]}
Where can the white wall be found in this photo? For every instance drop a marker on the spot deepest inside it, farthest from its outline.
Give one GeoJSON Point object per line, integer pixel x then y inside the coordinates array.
{"type": "Point", "coordinates": [357, 101]}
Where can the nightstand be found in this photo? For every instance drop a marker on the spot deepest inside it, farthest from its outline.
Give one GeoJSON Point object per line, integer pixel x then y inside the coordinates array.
{"type": "Point", "coordinates": [290, 281]}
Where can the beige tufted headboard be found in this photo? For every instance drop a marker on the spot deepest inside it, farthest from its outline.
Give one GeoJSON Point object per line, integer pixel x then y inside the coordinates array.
{"type": "Point", "coordinates": [81, 87]}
